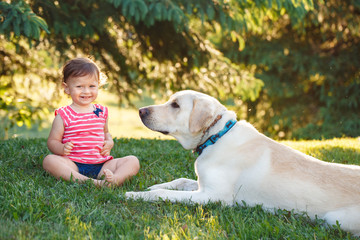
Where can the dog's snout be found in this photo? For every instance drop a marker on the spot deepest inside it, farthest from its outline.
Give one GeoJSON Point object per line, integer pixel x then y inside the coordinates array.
{"type": "Point", "coordinates": [143, 112]}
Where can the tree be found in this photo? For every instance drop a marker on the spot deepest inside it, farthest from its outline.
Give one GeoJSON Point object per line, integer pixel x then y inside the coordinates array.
{"type": "Point", "coordinates": [18, 22]}
{"type": "Point", "coordinates": [160, 44]}
{"type": "Point", "coordinates": [310, 72]}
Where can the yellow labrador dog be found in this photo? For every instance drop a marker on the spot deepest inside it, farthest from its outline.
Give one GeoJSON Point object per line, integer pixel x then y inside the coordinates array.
{"type": "Point", "coordinates": [237, 163]}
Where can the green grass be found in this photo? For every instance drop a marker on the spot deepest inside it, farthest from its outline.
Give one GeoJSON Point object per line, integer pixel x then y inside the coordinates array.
{"type": "Point", "coordinates": [34, 205]}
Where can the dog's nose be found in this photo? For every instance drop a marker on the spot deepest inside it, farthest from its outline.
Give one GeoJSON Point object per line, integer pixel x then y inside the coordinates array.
{"type": "Point", "coordinates": [143, 112]}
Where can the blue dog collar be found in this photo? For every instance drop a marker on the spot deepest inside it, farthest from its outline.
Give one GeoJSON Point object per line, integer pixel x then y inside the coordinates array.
{"type": "Point", "coordinates": [214, 138]}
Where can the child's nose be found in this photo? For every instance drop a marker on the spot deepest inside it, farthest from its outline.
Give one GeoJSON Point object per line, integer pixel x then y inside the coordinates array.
{"type": "Point", "coordinates": [86, 89]}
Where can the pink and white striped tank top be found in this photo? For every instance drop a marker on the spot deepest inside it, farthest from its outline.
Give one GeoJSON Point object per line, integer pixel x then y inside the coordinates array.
{"type": "Point", "coordinates": [86, 132]}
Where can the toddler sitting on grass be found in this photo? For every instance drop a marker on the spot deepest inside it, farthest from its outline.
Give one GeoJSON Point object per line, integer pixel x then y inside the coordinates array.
{"type": "Point", "coordinates": [79, 138]}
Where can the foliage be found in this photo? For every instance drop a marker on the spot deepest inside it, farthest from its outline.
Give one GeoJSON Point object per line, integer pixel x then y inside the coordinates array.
{"type": "Point", "coordinates": [311, 73]}
{"type": "Point", "coordinates": [33, 204]}
{"type": "Point", "coordinates": [17, 19]}
{"type": "Point", "coordinates": [23, 96]}
{"type": "Point", "coordinates": [17, 104]}
{"type": "Point", "coordinates": [144, 43]}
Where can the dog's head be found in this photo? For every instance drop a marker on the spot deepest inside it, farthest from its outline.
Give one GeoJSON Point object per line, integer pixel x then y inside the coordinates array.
{"type": "Point", "coordinates": [185, 116]}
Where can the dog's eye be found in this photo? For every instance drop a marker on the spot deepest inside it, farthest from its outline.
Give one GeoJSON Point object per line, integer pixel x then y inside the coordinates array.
{"type": "Point", "coordinates": [175, 105]}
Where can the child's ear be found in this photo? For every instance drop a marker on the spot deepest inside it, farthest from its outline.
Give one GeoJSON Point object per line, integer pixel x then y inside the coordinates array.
{"type": "Point", "coordinates": [66, 88]}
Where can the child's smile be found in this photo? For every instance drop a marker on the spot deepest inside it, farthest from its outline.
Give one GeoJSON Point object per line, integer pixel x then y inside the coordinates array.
{"type": "Point", "coordinates": [83, 91]}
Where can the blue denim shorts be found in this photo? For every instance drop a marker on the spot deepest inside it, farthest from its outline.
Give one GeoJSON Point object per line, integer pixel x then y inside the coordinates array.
{"type": "Point", "coordinates": [89, 170]}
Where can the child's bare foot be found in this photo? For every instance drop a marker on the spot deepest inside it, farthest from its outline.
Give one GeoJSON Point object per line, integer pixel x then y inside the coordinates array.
{"type": "Point", "coordinates": [109, 176]}
{"type": "Point", "coordinates": [99, 183]}
{"type": "Point", "coordinates": [108, 181]}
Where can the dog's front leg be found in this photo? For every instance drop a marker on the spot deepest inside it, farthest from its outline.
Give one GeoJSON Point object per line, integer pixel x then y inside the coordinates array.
{"type": "Point", "coordinates": [172, 195]}
{"type": "Point", "coordinates": [178, 184]}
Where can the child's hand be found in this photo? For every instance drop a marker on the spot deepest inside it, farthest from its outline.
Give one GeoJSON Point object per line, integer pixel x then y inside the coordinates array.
{"type": "Point", "coordinates": [68, 147]}
{"type": "Point", "coordinates": [108, 145]}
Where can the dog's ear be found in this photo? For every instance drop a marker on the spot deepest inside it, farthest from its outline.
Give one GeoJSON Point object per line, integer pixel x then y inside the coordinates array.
{"type": "Point", "coordinates": [201, 115]}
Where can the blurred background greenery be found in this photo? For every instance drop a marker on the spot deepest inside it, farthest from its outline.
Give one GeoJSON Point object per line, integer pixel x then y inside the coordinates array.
{"type": "Point", "coordinates": [290, 67]}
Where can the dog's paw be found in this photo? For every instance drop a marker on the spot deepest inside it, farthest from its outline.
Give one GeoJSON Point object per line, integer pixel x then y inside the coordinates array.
{"type": "Point", "coordinates": [139, 195]}
{"type": "Point", "coordinates": [146, 196]}
{"type": "Point", "coordinates": [131, 195]}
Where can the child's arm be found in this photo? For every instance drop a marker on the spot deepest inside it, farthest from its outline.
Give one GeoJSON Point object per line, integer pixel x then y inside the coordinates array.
{"type": "Point", "coordinates": [108, 143]}
{"type": "Point", "coordinates": [54, 141]}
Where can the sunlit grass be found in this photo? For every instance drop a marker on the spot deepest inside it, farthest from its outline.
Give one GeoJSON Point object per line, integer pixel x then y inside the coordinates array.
{"type": "Point", "coordinates": [34, 205]}
{"type": "Point", "coordinates": [330, 150]}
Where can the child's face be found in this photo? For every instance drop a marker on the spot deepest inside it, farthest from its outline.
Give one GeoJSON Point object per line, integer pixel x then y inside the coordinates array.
{"type": "Point", "coordinates": [83, 90]}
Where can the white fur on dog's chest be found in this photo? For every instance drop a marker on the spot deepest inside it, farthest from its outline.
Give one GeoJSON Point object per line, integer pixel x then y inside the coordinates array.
{"type": "Point", "coordinates": [251, 180]}
{"type": "Point", "coordinates": [237, 179]}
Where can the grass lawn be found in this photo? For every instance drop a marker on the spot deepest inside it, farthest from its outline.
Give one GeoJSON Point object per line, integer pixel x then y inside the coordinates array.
{"type": "Point", "coordinates": [33, 205]}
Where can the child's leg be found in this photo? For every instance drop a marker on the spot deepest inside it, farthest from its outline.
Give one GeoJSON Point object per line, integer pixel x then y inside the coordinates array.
{"type": "Point", "coordinates": [62, 167]}
{"type": "Point", "coordinates": [117, 170]}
